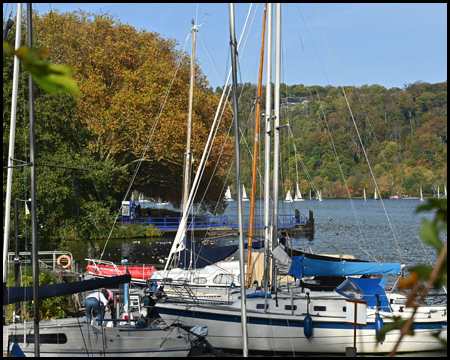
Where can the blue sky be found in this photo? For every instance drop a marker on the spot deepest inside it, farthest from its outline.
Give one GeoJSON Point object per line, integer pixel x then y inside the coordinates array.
{"type": "Point", "coordinates": [386, 44]}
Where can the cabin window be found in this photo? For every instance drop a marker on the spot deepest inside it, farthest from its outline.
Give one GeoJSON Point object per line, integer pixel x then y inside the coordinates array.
{"type": "Point", "coordinates": [344, 309]}
{"type": "Point", "coordinates": [320, 308]}
{"type": "Point", "coordinates": [261, 306]}
{"type": "Point", "coordinates": [289, 307]}
{"type": "Point", "coordinates": [200, 280]}
{"type": "Point", "coordinates": [57, 338]}
{"type": "Point", "coordinates": [223, 279]}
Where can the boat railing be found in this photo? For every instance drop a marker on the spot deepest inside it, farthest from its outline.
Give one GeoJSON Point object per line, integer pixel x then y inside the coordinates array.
{"type": "Point", "coordinates": [111, 266]}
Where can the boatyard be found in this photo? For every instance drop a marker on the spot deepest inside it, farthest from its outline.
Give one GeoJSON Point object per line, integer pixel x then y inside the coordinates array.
{"type": "Point", "coordinates": [148, 214]}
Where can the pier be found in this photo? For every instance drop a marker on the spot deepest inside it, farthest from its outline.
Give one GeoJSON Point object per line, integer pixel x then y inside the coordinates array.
{"type": "Point", "coordinates": [221, 223]}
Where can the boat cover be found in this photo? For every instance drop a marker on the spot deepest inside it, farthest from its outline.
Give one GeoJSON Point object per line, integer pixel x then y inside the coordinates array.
{"type": "Point", "coordinates": [15, 294]}
{"type": "Point", "coordinates": [303, 266]}
{"type": "Point", "coordinates": [367, 290]}
{"type": "Point", "coordinates": [202, 256]}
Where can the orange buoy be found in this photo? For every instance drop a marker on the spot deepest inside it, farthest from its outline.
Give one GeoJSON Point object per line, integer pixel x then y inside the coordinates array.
{"type": "Point", "coordinates": [69, 261]}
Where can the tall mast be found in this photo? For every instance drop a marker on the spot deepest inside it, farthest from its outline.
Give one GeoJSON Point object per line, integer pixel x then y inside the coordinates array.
{"type": "Point", "coordinates": [12, 136]}
{"type": "Point", "coordinates": [238, 182]}
{"type": "Point", "coordinates": [34, 233]}
{"type": "Point", "coordinates": [188, 154]}
{"type": "Point", "coordinates": [268, 117]}
{"type": "Point", "coordinates": [276, 141]}
{"type": "Point", "coordinates": [255, 152]}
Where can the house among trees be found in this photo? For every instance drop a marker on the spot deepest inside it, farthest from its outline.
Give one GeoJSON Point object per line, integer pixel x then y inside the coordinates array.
{"type": "Point", "coordinates": [290, 101]}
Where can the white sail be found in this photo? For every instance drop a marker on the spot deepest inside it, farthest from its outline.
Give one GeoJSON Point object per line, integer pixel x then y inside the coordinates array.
{"type": "Point", "coordinates": [320, 195]}
{"type": "Point", "coordinates": [375, 196]}
{"type": "Point", "coordinates": [421, 195]}
{"type": "Point", "coordinates": [298, 194]}
{"type": "Point", "coordinates": [288, 197]}
{"type": "Point", "coordinates": [228, 195]}
{"type": "Point", "coordinates": [365, 197]}
{"type": "Point", "coordinates": [244, 194]}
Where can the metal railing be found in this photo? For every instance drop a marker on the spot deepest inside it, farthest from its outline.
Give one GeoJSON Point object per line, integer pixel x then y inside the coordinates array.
{"type": "Point", "coordinates": [46, 258]}
{"type": "Point", "coordinates": [210, 222]}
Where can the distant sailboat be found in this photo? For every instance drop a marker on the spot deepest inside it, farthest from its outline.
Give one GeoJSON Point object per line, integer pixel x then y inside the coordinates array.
{"type": "Point", "coordinates": [228, 195]}
{"type": "Point", "coordinates": [298, 195]}
{"type": "Point", "coordinates": [309, 194]}
{"type": "Point", "coordinates": [288, 197]}
{"type": "Point", "coordinates": [375, 196]}
{"type": "Point", "coordinates": [320, 195]}
{"type": "Point", "coordinates": [365, 197]}
{"type": "Point", "coordinates": [421, 195]}
{"type": "Point", "coordinates": [244, 194]}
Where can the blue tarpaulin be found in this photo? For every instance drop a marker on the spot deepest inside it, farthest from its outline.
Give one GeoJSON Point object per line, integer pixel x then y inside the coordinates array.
{"type": "Point", "coordinates": [303, 266]}
{"type": "Point", "coordinates": [365, 289]}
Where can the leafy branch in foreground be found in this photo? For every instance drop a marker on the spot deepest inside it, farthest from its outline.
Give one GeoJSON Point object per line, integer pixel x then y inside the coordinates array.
{"type": "Point", "coordinates": [432, 276]}
{"type": "Point", "coordinates": [50, 77]}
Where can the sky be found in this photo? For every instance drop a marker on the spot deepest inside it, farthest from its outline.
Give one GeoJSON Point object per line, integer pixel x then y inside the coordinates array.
{"type": "Point", "coordinates": [323, 44]}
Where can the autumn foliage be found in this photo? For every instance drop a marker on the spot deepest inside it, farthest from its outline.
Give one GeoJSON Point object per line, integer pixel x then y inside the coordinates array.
{"type": "Point", "coordinates": [134, 90]}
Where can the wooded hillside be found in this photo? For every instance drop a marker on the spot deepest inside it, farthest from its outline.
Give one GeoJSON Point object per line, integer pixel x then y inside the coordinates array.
{"type": "Point", "coordinates": [403, 131]}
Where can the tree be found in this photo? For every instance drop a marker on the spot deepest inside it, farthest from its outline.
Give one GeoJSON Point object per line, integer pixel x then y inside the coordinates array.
{"type": "Point", "coordinates": [134, 88]}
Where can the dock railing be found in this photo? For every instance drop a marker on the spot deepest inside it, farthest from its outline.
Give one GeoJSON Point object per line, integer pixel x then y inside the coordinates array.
{"type": "Point", "coordinates": [210, 222]}
{"type": "Point", "coordinates": [47, 259]}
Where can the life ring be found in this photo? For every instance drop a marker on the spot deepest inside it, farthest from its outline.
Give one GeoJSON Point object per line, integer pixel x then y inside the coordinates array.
{"type": "Point", "coordinates": [69, 261]}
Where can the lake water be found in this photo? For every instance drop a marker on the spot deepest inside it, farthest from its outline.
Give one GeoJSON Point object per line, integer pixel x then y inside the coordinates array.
{"type": "Point", "coordinates": [384, 230]}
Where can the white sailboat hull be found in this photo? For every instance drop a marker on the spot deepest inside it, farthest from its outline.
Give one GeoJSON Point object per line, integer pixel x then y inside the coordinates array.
{"type": "Point", "coordinates": [83, 340]}
{"type": "Point", "coordinates": [280, 330]}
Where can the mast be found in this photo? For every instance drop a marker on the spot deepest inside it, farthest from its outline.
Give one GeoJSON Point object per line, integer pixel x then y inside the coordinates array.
{"type": "Point", "coordinates": [255, 152]}
{"type": "Point", "coordinates": [188, 154]}
{"type": "Point", "coordinates": [276, 141]}
{"type": "Point", "coordinates": [268, 117]}
{"type": "Point", "coordinates": [12, 136]}
{"type": "Point", "coordinates": [238, 183]}
{"type": "Point", "coordinates": [34, 233]}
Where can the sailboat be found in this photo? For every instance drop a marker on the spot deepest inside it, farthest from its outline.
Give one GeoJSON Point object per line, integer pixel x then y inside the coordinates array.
{"type": "Point", "coordinates": [228, 195]}
{"type": "Point", "coordinates": [421, 194]}
{"type": "Point", "coordinates": [298, 194]}
{"type": "Point", "coordinates": [244, 194]}
{"type": "Point", "coordinates": [76, 337]}
{"type": "Point", "coordinates": [365, 197]}
{"type": "Point", "coordinates": [375, 196]}
{"type": "Point", "coordinates": [72, 336]}
{"type": "Point", "coordinates": [288, 197]}
{"type": "Point", "coordinates": [299, 320]}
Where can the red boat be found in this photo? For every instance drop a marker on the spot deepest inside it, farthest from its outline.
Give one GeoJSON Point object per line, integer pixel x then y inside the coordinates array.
{"type": "Point", "coordinates": [110, 269]}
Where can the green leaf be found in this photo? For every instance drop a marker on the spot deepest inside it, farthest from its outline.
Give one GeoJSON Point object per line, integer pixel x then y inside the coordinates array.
{"type": "Point", "coordinates": [52, 78]}
{"type": "Point", "coordinates": [429, 233]}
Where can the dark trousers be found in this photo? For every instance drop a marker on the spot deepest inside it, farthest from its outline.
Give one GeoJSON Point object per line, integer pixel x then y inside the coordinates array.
{"type": "Point", "coordinates": [93, 303]}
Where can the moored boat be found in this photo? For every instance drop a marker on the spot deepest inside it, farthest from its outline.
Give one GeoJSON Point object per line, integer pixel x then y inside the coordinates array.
{"type": "Point", "coordinates": [108, 268]}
